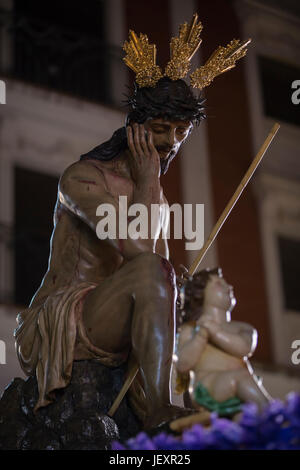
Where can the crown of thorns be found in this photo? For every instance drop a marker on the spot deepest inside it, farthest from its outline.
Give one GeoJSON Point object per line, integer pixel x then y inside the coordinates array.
{"type": "Point", "coordinates": [141, 57]}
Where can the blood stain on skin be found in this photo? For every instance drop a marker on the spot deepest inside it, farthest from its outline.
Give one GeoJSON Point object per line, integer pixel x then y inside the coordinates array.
{"type": "Point", "coordinates": [170, 277]}
{"type": "Point", "coordinates": [54, 278]}
{"type": "Point", "coordinates": [168, 270]}
{"type": "Point", "coordinates": [87, 181]}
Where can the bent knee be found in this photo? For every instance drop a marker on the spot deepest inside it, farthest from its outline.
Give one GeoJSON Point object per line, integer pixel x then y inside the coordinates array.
{"type": "Point", "coordinates": [155, 267]}
{"type": "Point", "coordinates": [147, 257]}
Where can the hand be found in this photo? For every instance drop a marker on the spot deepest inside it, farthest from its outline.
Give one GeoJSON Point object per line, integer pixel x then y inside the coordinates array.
{"type": "Point", "coordinates": [211, 326]}
{"type": "Point", "coordinates": [144, 162]}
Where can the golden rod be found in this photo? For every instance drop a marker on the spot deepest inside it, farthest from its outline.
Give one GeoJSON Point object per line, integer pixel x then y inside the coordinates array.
{"type": "Point", "coordinates": [191, 27]}
{"type": "Point", "coordinates": [134, 370]}
{"type": "Point", "coordinates": [234, 199]}
{"type": "Point", "coordinates": [239, 48]}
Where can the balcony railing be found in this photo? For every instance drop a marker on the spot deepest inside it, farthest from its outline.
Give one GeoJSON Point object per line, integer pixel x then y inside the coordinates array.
{"type": "Point", "coordinates": [50, 56]}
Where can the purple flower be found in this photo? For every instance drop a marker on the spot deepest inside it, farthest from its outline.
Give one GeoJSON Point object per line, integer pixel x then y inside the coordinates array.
{"type": "Point", "coordinates": [273, 417]}
{"type": "Point", "coordinates": [277, 426]}
{"type": "Point", "coordinates": [196, 438]}
{"type": "Point", "coordinates": [117, 446]}
{"type": "Point", "coordinates": [250, 416]}
{"type": "Point", "coordinates": [141, 442]}
{"type": "Point", "coordinates": [164, 441]}
{"type": "Point", "coordinates": [293, 409]}
{"type": "Point", "coordinates": [228, 432]}
{"type": "Point", "coordinates": [275, 411]}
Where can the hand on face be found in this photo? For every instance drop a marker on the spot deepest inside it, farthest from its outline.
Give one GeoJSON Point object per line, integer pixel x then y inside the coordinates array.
{"type": "Point", "coordinates": [144, 162]}
{"type": "Point", "coordinates": [167, 137]}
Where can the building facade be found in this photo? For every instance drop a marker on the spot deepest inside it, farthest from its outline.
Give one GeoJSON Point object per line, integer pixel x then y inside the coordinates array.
{"type": "Point", "coordinates": [64, 85]}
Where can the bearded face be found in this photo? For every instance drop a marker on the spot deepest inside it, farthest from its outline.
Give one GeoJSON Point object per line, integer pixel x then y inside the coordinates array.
{"type": "Point", "coordinates": [168, 136]}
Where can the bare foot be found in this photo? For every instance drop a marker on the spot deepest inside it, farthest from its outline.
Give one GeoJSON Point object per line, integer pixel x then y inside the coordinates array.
{"type": "Point", "coordinates": [166, 414]}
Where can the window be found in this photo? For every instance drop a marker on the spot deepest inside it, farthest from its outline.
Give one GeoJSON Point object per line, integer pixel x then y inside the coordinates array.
{"type": "Point", "coordinates": [35, 198]}
{"type": "Point", "coordinates": [61, 45]}
{"type": "Point", "coordinates": [276, 80]}
{"type": "Point", "coordinates": [289, 256]}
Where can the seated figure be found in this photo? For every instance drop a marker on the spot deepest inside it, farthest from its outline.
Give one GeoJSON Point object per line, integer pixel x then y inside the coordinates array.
{"type": "Point", "coordinates": [214, 351]}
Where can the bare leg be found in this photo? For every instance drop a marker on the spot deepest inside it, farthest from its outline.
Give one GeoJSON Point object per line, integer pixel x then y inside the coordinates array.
{"type": "Point", "coordinates": [136, 306]}
{"type": "Point", "coordinates": [249, 391]}
{"type": "Point", "coordinates": [238, 383]}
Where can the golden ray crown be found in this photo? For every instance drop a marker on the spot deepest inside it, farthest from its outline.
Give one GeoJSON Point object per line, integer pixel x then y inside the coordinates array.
{"type": "Point", "coordinates": [141, 57]}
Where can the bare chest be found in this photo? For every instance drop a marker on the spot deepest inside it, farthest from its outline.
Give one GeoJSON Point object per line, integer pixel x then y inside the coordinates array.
{"type": "Point", "coordinates": [118, 185]}
{"type": "Point", "coordinates": [213, 359]}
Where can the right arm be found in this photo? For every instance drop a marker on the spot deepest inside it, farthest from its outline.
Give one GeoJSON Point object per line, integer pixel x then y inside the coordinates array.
{"type": "Point", "coordinates": [236, 338]}
{"type": "Point", "coordinates": [82, 188]}
{"type": "Point", "coordinates": [191, 345]}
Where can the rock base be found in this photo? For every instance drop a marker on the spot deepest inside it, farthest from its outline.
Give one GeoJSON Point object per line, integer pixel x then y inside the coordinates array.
{"type": "Point", "coordinates": [77, 419]}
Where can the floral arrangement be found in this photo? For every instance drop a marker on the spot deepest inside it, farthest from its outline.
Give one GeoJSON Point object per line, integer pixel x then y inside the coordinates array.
{"type": "Point", "coordinates": [276, 427]}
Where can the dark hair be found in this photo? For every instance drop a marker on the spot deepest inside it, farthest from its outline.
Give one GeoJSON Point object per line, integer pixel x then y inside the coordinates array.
{"type": "Point", "coordinates": [169, 99]}
{"type": "Point", "coordinates": [194, 295]}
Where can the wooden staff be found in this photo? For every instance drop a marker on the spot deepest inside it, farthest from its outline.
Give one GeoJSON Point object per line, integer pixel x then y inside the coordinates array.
{"type": "Point", "coordinates": [207, 245]}
{"type": "Point", "coordinates": [123, 391]}
{"type": "Point", "coordinates": [234, 199]}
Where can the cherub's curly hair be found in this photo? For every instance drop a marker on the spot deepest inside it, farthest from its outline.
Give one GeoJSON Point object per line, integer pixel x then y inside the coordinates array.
{"type": "Point", "coordinates": [194, 295]}
{"type": "Point", "coordinates": [169, 99]}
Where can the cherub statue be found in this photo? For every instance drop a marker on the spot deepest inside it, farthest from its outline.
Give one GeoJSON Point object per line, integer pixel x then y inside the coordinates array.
{"type": "Point", "coordinates": [216, 350]}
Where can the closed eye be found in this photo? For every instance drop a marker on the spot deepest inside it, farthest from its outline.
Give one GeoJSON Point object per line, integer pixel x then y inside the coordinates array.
{"type": "Point", "coordinates": [159, 130]}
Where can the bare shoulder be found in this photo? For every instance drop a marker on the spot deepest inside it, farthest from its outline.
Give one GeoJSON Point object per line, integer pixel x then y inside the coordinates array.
{"type": "Point", "coordinates": [82, 181]}
{"type": "Point", "coordinates": [83, 168]}
{"type": "Point", "coordinates": [239, 326]}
